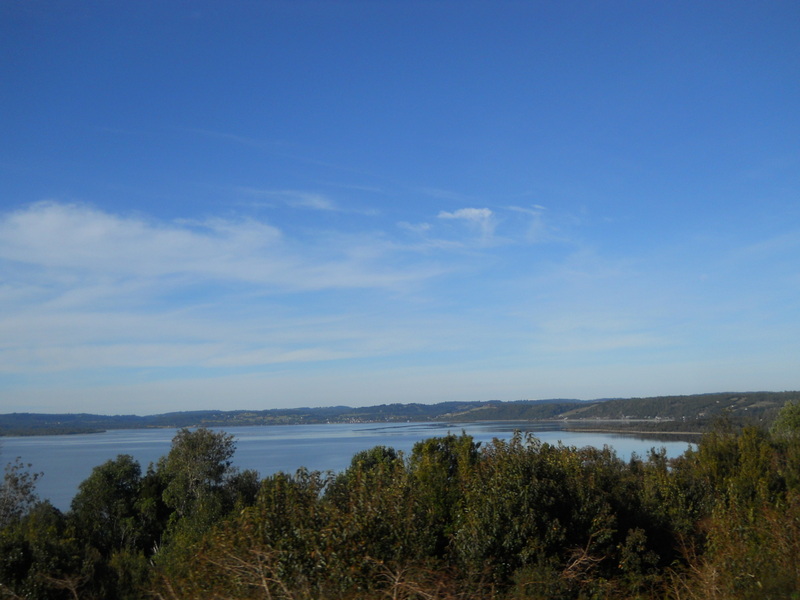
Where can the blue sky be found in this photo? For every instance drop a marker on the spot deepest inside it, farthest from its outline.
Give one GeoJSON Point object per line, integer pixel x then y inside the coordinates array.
{"type": "Point", "coordinates": [277, 204]}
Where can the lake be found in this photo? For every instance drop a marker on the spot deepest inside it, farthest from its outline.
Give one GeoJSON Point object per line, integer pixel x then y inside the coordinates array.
{"type": "Point", "coordinates": [66, 460]}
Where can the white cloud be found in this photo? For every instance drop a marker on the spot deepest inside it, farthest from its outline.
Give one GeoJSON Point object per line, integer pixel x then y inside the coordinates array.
{"type": "Point", "coordinates": [478, 215]}
{"type": "Point", "coordinates": [83, 289]}
{"type": "Point", "coordinates": [68, 236]}
{"type": "Point", "coordinates": [89, 298]}
{"type": "Point", "coordinates": [55, 244]}
{"type": "Point", "coordinates": [481, 218]}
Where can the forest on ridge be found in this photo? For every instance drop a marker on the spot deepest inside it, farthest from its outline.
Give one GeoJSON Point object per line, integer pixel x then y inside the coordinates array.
{"type": "Point", "coordinates": [454, 519]}
{"type": "Point", "coordinates": [689, 414]}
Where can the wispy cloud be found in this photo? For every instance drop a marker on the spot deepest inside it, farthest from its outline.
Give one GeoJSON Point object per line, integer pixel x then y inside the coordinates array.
{"type": "Point", "coordinates": [89, 295]}
{"type": "Point", "coordinates": [84, 289]}
{"type": "Point", "coordinates": [542, 227]}
{"type": "Point", "coordinates": [534, 209]}
{"type": "Point", "coordinates": [74, 249]}
{"type": "Point", "coordinates": [293, 198]}
{"type": "Point", "coordinates": [418, 228]}
{"type": "Point", "coordinates": [481, 219]}
{"type": "Point", "coordinates": [80, 239]}
{"type": "Point", "coordinates": [477, 215]}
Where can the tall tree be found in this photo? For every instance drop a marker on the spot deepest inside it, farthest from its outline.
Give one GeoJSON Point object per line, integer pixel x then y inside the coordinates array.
{"type": "Point", "coordinates": [17, 492]}
{"type": "Point", "coordinates": [440, 468]}
{"type": "Point", "coordinates": [196, 469]}
{"type": "Point", "coordinates": [104, 509]}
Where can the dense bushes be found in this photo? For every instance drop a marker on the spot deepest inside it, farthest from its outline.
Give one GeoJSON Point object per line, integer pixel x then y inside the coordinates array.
{"type": "Point", "coordinates": [512, 519]}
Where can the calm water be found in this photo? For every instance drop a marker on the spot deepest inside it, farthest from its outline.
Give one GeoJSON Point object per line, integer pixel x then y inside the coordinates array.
{"type": "Point", "coordinates": [66, 460]}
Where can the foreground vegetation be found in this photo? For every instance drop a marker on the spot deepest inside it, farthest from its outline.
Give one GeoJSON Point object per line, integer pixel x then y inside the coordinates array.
{"type": "Point", "coordinates": [514, 519]}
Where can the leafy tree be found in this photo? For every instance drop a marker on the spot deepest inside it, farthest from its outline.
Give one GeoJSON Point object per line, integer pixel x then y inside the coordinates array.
{"type": "Point", "coordinates": [241, 489]}
{"type": "Point", "coordinates": [200, 487]}
{"type": "Point", "coordinates": [513, 519]}
{"type": "Point", "coordinates": [196, 470]}
{"type": "Point", "coordinates": [17, 492]}
{"type": "Point", "coordinates": [520, 509]}
{"type": "Point", "coordinates": [153, 512]}
{"type": "Point", "coordinates": [377, 462]}
{"type": "Point", "coordinates": [440, 468]}
{"type": "Point", "coordinates": [282, 547]}
{"type": "Point", "coordinates": [39, 559]}
{"type": "Point", "coordinates": [104, 509]}
{"type": "Point", "coordinates": [376, 508]}
{"type": "Point", "coordinates": [787, 423]}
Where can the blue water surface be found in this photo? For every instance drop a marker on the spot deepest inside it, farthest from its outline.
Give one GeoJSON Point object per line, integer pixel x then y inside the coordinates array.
{"type": "Point", "coordinates": [66, 460]}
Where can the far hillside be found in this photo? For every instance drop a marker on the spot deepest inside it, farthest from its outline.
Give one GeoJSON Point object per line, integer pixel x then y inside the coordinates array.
{"type": "Point", "coordinates": [681, 413]}
{"type": "Point", "coordinates": [692, 413]}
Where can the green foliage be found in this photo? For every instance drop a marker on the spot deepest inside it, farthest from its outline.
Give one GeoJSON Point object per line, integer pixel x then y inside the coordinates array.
{"type": "Point", "coordinates": [199, 488]}
{"type": "Point", "coordinates": [375, 507]}
{"type": "Point", "coordinates": [104, 509]}
{"type": "Point", "coordinates": [40, 559]}
{"type": "Point", "coordinates": [109, 517]}
{"type": "Point", "coordinates": [573, 516]}
{"type": "Point", "coordinates": [787, 423]}
{"type": "Point", "coordinates": [17, 492]}
{"type": "Point", "coordinates": [282, 542]}
{"type": "Point", "coordinates": [440, 470]}
{"type": "Point", "coordinates": [196, 470]}
{"type": "Point", "coordinates": [514, 519]}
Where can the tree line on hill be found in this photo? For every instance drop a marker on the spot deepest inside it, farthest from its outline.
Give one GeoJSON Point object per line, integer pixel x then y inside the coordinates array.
{"type": "Point", "coordinates": [514, 519]}
{"type": "Point", "coordinates": [691, 413]}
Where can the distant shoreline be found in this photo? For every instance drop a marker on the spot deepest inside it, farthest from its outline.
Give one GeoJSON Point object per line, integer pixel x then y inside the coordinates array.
{"type": "Point", "coordinates": [660, 415]}
{"type": "Point", "coordinates": [572, 426]}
